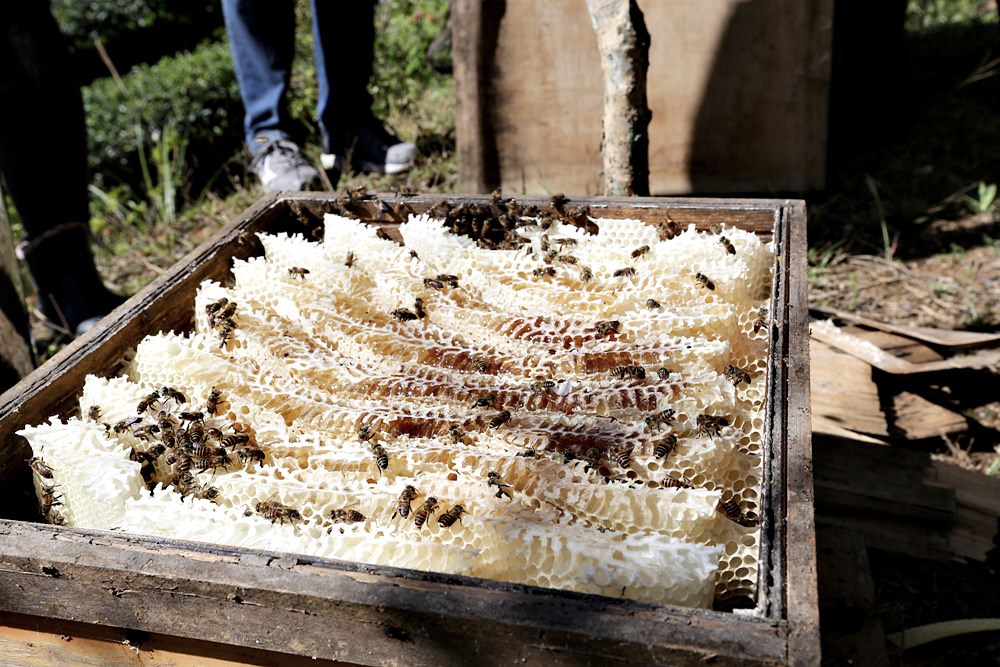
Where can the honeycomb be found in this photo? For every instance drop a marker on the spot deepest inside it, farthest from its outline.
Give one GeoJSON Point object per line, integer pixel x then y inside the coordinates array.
{"type": "Point", "coordinates": [443, 406]}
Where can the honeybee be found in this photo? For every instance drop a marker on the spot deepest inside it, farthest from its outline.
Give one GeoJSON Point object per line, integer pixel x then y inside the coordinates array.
{"type": "Point", "coordinates": [663, 373]}
{"type": "Point", "coordinates": [41, 468]}
{"type": "Point", "coordinates": [157, 450]}
{"type": "Point", "coordinates": [548, 271]}
{"type": "Point", "coordinates": [193, 416]}
{"type": "Point", "coordinates": [418, 308]}
{"type": "Point", "coordinates": [559, 199]}
{"type": "Point", "coordinates": [480, 364]}
{"type": "Point", "coordinates": [404, 502]}
{"type": "Point", "coordinates": [226, 332]}
{"type": "Point", "coordinates": [450, 279]}
{"type": "Point", "coordinates": [48, 501]}
{"type": "Point", "coordinates": [543, 243]}
{"type": "Point", "coordinates": [403, 314]}
{"type": "Point", "coordinates": [704, 281]}
{"type": "Point", "coordinates": [736, 375]}
{"type": "Point", "coordinates": [640, 251]}
{"type": "Point", "coordinates": [528, 453]}
{"type": "Point", "coordinates": [732, 510]}
{"type": "Point", "coordinates": [542, 386]}
{"type": "Point", "coordinates": [365, 433]}
{"type": "Point", "coordinates": [621, 456]}
{"type": "Point", "coordinates": [626, 272]}
{"type": "Point", "coordinates": [500, 419]}
{"type": "Point", "coordinates": [671, 482]}
{"type": "Point", "coordinates": [213, 309]}
{"type": "Point", "coordinates": [711, 425]}
{"type": "Point", "coordinates": [147, 402]}
{"type": "Point", "coordinates": [382, 234]}
{"type": "Point", "coordinates": [665, 446]}
{"type": "Point", "coordinates": [608, 327]}
{"type": "Point", "coordinates": [565, 242]}
{"type": "Point", "coordinates": [568, 259]}
{"type": "Point", "coordinates": [298, 272]}
{"type": "Point", "coordinates": [196, 431]}
{"type": "Point", "coordinates": [633, 372]}
{"type": "Point", "coordinates": [761, 320]}
{"type": "Point", "coordinates": [169, 393]}
{"type": "Point", "coordinates": [728, 245]}
{"type": "Point", "coordinates": [655, 421]}
{"type": "Point", "coordinates": [213, 433]}
{"type": "Point", "coordinates": [586, 275]}
{"type": "Point", "coordinates": [493, 479]}
{"type": "Point", "coordinates": [235, 440]}
{"type": "Point", "coordinates": [275, 511]}
{"type": "Point", "coordinates": [433, 282]}
{"type": "Point", "coordinates": [126, 423]}
{"type": "Point", "coordinates": [425, 511]}
{"type": "Point", "coordinates": [568, 457]}
{"type": "Point", "coordinates": [349, 260]}
{"type": "Point", "coordinates": [227, 311]}
{"type": "Point", "coordinates": [485, 401]}
{"type": "Point", "coordinates": [94, 413]}
{"type": "Point", "coordinates": [653, 304]}
{"type": "Point", "coordinates": [213, 400]}
{"type": "Point", "coordinates": [184, 440]}
{"type": "Point", "coordinates": [593, 458]}
{"type": "Point", "coordinates": [344, 515]}
{"type": "Point", "coordinates": [168, 438]}
{"type": "Point", "coordinates": [381, 457]}
{"type": "Point", "coordinates": [251, 454]}
{"type": "Point", "coordinates": [456, 433]}
{"type": "Point", "coordinates": [668, 230]}
{"type": "Point", "coordinates": [145, 431]}
{"type": "Point", "coordinates": [447, 519]}
{"type": "Point", "coordinates": [206, 492]}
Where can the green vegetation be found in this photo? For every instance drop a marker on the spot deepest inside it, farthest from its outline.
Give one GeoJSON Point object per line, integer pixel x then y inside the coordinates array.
{"type": "Point", "coordinates": [83, 20]}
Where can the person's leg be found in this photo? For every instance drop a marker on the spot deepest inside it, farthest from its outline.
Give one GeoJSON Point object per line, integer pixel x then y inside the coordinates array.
{"type": "Point", "coordinates": [43, 149]}
{"type": "Point", "coordinates": [344, 42]}
{"type": "Point", "coordinates": [262, 38]}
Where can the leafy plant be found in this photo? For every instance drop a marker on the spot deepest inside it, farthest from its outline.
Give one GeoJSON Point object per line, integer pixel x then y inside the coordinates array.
{"type": "Point", "coordinates": [986, 196]}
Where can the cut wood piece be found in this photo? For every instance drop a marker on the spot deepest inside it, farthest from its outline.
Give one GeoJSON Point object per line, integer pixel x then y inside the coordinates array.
{"type": "Point", "coordinates": [843, 393]}
{"type": "Point", "coordinates": [824, 426]}
{"type": "Point", "coordinates": [946, 337]}
{"type": "Point", "coordinates": [896, 345]}
{"type": "Point", "coordinates": [623, 42]}
{"type": "Point", "coordinates": [829, 333]}
{"type": "Point", "coordinates": [916, 418]}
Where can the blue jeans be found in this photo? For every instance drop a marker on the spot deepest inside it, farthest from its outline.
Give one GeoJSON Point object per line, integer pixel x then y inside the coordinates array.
{"type": "Point", "coordinates": [262, 37]}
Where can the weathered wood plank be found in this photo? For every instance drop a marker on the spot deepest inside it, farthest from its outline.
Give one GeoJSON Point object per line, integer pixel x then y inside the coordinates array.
{"type": "Point", "coordinates": [34, 641]}
{"type": "Point", "coordinates": [800, 545]}
{"type": "Point", "coordinates": [843, 392]}
{"type": "Point", "coordinates": [916, 418]}
{"type": "Point", "coordinates": [346, 611]}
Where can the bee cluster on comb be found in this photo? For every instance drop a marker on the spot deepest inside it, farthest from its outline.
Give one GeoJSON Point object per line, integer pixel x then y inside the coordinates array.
{"type": "Point", "coordinates": [572, 406]}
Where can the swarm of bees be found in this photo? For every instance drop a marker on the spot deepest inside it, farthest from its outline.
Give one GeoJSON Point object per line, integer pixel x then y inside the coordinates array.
{"type": "Point", "coordinates": [220, 318]}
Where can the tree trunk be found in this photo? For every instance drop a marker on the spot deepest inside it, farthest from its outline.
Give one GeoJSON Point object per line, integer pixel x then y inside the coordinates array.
{"type": "Point", "coordinates": [15, 353]}
{"type": "Point", "coordinates": [623, 42]}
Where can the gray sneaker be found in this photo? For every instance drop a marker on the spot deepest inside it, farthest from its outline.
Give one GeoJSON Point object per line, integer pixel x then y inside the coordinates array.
{"type": "Point", "coordinates": [281, 165]}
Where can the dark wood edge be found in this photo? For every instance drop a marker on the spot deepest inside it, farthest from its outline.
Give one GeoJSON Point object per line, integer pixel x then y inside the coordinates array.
{"type": "Point", "coordinates": [802, 597]}
{"type": "Point", "coordinates": [346, 611]}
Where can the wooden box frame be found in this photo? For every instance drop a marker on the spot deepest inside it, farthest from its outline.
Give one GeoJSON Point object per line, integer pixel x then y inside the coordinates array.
{"type": "Point", "coordinates": [307, 606]}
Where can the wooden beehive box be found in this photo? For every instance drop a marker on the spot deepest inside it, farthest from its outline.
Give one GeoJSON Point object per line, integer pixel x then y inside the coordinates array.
{"type": "Point", "coordinates": [313, 607]}
{"type": "Point", "coordinates": [738, 92]}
